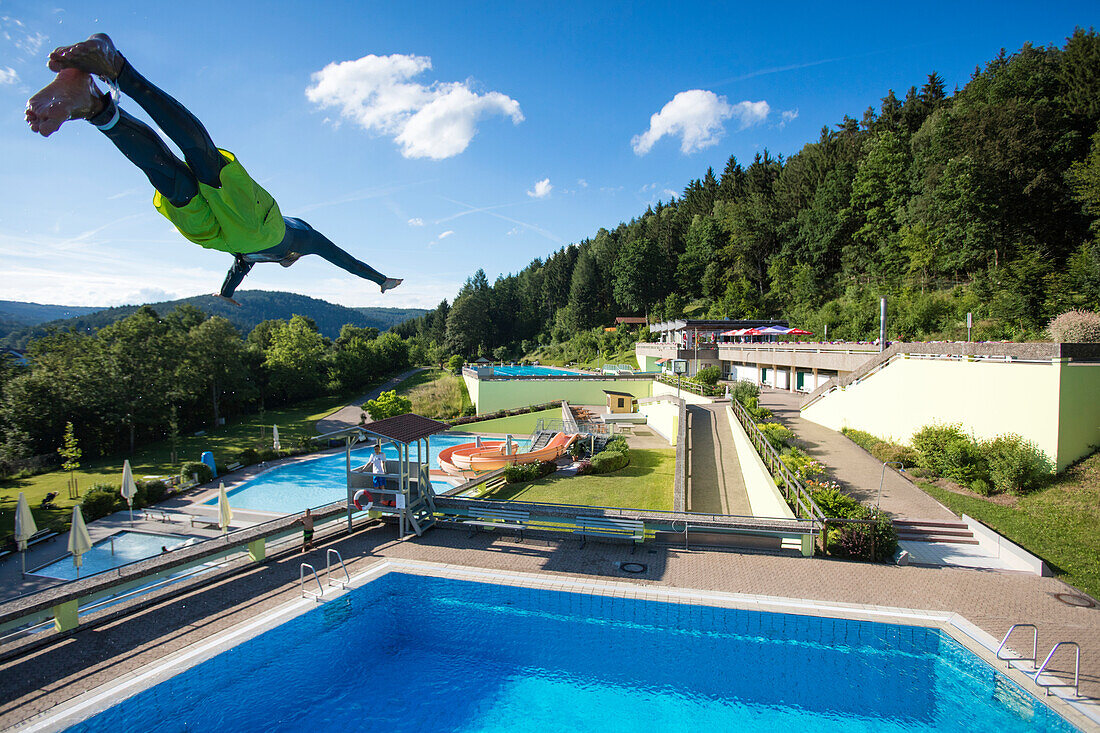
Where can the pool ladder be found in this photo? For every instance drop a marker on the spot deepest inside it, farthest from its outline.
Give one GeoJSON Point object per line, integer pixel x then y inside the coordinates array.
{"type": "Point", "coordinates": [329, 580]}
{"type": "Point", "coordinates": [1037, 668]}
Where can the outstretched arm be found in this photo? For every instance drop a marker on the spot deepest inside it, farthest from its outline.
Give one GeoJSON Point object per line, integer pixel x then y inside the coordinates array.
{"type": "Point", "coordinates": [233, 278]}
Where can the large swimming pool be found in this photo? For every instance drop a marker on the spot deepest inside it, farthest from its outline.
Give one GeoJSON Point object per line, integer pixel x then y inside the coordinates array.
{"type": "Point", "coordinates": [531, 371]}
{"type": "Point", "coordinates": [290, 488]}
{"type": "Point", "coordinates": [414, 653]}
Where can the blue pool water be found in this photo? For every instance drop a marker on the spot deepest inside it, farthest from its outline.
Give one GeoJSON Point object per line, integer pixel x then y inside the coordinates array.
{"type": "Point", "coordinates": [128, 547]}
{"type": "Point", "coordinates": [410, 653]}
{"type": "Point", "coordinates": [291, 488]}
{"type": "Point", "coordinates": [530, 371]}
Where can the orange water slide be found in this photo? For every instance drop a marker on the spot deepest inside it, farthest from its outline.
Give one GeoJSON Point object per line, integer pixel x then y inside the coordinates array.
{"type": "Point", "coordinates": [490, 456]}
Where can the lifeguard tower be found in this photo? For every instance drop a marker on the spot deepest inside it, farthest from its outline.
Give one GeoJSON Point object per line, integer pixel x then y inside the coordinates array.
{"type": "Point", "coordinates": [408, 494]}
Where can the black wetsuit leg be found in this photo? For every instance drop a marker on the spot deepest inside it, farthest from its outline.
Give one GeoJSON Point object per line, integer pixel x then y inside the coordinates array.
{"type": "Point", "coordinates": [305, 240]}
{"type": "Point", "coordinates": [181, 127]}
{"type": "Point", "coordinates": [145, 149]}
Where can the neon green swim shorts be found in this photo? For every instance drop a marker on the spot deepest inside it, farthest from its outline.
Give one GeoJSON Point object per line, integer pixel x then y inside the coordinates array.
{"type": "Point", "coordinates": [240, 217]}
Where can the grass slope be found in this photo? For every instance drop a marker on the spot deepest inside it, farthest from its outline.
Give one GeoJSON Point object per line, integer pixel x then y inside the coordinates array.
{"type": "Point", "coordinates": [645, 484]}
{"type": "Point", "coordinates": [1060, 524]}
{"type": "Point", "coordinates": [519, 425]}
{"type": "Point", "coordinates": [436, 393]}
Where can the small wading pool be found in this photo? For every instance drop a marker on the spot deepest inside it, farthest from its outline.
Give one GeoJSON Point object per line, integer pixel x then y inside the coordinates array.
{"type": "Point", "coordinates": [506, 658]}
{"type": "Point", "coordinates": [120, 548]}
{"type": "Point", "coordinates": [292, 488]}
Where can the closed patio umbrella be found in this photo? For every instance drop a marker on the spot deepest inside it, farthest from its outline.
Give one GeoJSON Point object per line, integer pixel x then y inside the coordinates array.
{"type": "Point", "coordinates": [225, 514]}
{"type": "Point", "coordinates": [24, 527]}
{"type": "Point", "coordinates": [799, 332]}
{"type": "Point", "coordinates": [79, 539]}
{"type": "Point", "coordinates": [129, 488]}
{"type": "Point", "coordinates": [275, 437]}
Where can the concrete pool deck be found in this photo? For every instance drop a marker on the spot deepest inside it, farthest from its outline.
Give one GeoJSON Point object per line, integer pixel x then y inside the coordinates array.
{"type": "Point", "coordinates": [38, 679]}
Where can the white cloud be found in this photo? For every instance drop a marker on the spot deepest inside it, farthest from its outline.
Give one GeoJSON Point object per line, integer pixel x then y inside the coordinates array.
{"type": "Point", "coordinates": [670, 193]}
{"type": "Point", "coordinates": [416, 222]}
{"type": "Point", "coordinates": [8, 76]}
{"type": "Point", "coordinates": [434, 121]}
{"type": "Point", "coordinates": [15, 32]}
{"type": "Point", "coordinates": [582, 183]}
{"type": "Point", "coordinates": [446, 234]}
{"type": "Point", "coordinates": [542, 189]}
{"type": "Point", "coordinates": [787, 115]}
{"type": "Point", "coordinates": [514, 231]}
{"type": "Point", "coordinates": [697, 116]}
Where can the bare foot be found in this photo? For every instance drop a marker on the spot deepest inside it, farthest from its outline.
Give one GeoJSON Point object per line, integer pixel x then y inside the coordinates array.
{"type": "Point", "coordinates": [390, 284]}
{"type": "Point", "coordinates": [97, 55]}
{"type": "Point", "coordinates": [71, 96]}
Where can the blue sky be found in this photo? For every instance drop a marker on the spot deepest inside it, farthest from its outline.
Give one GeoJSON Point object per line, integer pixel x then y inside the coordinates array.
{"type": "Point", "coordinates": [431, 139]}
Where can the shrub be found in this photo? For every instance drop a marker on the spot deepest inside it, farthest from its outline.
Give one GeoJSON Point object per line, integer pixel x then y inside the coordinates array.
{"type": "Point", "coordinates": [708, 375]}
{"type": "Point", "coordinates": [747, 393]}
{"type": "Point", "coordinates": [932, 443]}
{"type": "Point", "coordinates": [802, 464]}
{"type": "Point", "coordinates": [1075, 326]}
{"type": "Point", "coordinates": [196, 467]}
{"type": "Point", "coordinates": [775, 434]}
{"type": "Point", "coordinates": [835, 503]}
{"type": "Point", "coordinates": [269, 454]}
{"type": "Point", "coordinates": [584, 467]}
{"type": "Point", "coordinates": [855, 540]}
{"type": "Point", "coordinates": [101, 500]}
{"type": "Point", "coordinates": [884, 451]}
{"type": "Point", "coordinates": [618, 443]}
{"type": "Point", "coordinates": [607, 461]}
{"type": "Point", "coordinates": [455, 364]}
{"type": "Point", "coordinates": [964, 462]}
{"type": "Point", "coordinates": [153, 491]}
{"type": "Point", "coordinates": [248, 456]}
{"type": "Point", "coordinates": [528, 471]}
{"type": "Point", "coordinates": [1016, 465]}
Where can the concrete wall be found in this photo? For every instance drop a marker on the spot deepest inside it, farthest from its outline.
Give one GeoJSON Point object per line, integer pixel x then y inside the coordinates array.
{"type": "Point", "coordinates": [663, 418]}
{"type": "Point", "coordinates": [764, 497]}
{"type": "Point", "coordinates": [1079, 412]}
{"type": "Point", "coordinates": [502, 394]}
{"type": "Point", "coordinates": [1054, 405]}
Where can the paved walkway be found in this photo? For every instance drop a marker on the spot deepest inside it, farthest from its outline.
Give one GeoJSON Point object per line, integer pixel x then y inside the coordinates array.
{"type": "Point", "coordinates": [351, 414]}
{"type": "Point", "coordinates": [857, 471]}
{"type": "Point", "coordinates": [715, 482]}
{"type": "Point", "coordinates": [36, 681]}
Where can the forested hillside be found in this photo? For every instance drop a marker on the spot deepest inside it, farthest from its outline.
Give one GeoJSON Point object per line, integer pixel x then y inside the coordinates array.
{"type": "Point", "coordinates": [256, 306]}
{"type": "Point", "coordinates": [15, 314]}
{"type": "Point", "coordinates": [984, 200]}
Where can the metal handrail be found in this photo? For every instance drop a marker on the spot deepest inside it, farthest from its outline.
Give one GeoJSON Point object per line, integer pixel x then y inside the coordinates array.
{"type": "Point", "coordinates": [1076, 671]}
{"type": "Point", "coordinates": [302, 582]}
{"type": "Point", "coordinates": [1034, 645]}
{"type": "Point", "coordinates": [328, 568]}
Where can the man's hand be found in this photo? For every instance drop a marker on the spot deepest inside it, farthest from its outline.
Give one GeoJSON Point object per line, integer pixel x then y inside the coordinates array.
{"type": "Point", "coordinates": [219, 295]}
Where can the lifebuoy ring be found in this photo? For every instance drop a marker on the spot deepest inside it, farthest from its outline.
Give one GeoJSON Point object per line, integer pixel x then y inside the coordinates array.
{"type": "Point", "coordinates": [359, 495]}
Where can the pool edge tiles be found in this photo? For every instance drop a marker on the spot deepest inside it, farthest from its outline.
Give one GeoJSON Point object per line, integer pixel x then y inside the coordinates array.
{"type": "Point", "coordinates": [956, 627]}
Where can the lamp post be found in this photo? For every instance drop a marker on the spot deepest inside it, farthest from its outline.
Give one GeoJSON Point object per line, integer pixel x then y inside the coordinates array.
{"type": "Point", "coordinates": [901, 467]}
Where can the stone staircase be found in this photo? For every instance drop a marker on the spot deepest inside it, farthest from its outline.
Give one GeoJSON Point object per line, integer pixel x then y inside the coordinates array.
{"type": "Point", "coordinates": [929, 530]}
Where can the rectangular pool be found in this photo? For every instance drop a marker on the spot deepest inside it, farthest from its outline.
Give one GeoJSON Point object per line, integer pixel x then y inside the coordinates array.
{"type": "Point", "coordinates": [532, 371]}
{"type": "Point", "coordinates": [411, 653]}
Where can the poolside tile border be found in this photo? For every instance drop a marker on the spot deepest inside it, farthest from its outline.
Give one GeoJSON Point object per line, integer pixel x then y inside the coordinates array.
{"type": "Point", "coordinates": [1084, 715]}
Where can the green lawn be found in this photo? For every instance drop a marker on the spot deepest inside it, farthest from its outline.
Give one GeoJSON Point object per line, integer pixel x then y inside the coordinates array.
{"type": "Point", "coordinates": [645, 484]}
{"type": "Point", "coordinates": [436, 393]}
{"type": "Point", "coordinates": [154, 459]}
{"type": "Point", "coordinates": [1060, 524]}
{"type": "Point", "coordinates": [516, 424]}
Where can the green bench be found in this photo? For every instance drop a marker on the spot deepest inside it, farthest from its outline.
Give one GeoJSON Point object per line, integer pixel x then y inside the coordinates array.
{"type": "Point", "coordinates": [611, 528]}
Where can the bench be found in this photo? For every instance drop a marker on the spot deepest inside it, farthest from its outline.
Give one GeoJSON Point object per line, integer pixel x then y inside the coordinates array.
{"type": "Point", "coordinates": [497, 519]}
{"type": "Point", "coordinates": [612, 527]}
{"type": "Point", "coordinates": [232, 467]}
{"type": "Point", "coordinates": [209, 522]}
{"type": "Point", "coordinates": [158, 515]}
